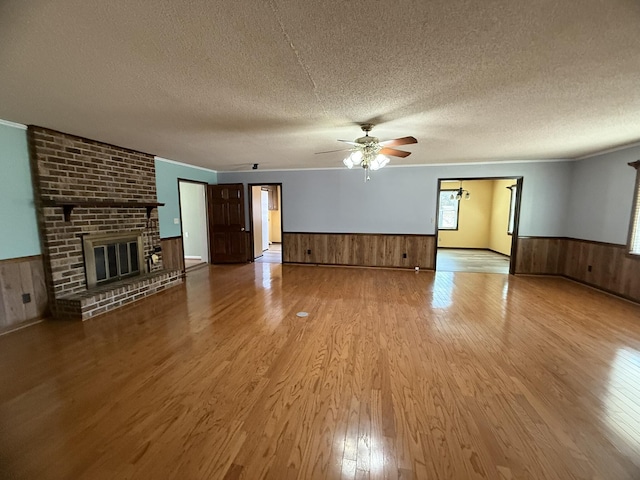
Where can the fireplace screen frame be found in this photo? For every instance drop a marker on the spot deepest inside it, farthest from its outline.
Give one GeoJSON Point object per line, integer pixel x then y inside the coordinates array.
{"type": "Point", "coordinates": [91, 242]}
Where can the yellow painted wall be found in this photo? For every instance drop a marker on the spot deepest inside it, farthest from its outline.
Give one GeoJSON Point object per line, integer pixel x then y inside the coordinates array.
{"type": "Point", "coordinates": [499, 239]}
{"type": "Point", "coordinates": [257, 221]}
{"type": "Point", "coordinates": [483, 219]}
{"type": "Point", "coordinates": [474, 219]}
{"type": "Point", "coordinates": [275, 221]}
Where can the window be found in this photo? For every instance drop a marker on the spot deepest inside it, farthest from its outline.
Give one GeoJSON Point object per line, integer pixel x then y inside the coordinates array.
{"type": "Point", "coordinates": [512, 209]}
{"type": "Point", "coordinates": [634, 232]}
{"type": "Point", "coordinates": [448, 210]}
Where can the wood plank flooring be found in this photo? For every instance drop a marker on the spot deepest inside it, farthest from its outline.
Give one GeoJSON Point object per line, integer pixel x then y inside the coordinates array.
{"type": "Point", "coordinates": [272, 255]}
{"type": "Point", "coordinates": [192, 262]}
{"type": "Point", "coordinates": [393, 374]}
{"type": "Point", "coordinates": [471, 260]}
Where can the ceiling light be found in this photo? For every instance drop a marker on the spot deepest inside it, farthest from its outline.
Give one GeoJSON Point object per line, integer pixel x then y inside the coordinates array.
{"type": "Point", "coordinates": [370, 153]}
{"type": "Point", "coordinates": [368, 157]}
{"type": "Point", "coordinates": [460, 193]}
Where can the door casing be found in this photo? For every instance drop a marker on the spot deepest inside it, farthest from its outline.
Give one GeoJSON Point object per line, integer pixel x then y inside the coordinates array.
{"type": "Point", "coordinates": [516, 224]}
{"type": "Point", "coordinates": [280, 206]}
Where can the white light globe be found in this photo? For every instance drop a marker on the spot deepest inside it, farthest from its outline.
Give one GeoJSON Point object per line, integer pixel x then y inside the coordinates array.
{"type": "Point", "coordinates": [382, 160]}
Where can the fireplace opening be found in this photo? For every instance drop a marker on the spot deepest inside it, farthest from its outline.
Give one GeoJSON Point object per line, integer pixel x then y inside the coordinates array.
{"type": "Point", "coordinates": [116, 260]}
{"type": "Point", "coordinates": [108, 258]}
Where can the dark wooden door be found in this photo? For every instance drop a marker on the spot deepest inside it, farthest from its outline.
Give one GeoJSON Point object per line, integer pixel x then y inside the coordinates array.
{"type": "Point", "coordinates": [227, 236]}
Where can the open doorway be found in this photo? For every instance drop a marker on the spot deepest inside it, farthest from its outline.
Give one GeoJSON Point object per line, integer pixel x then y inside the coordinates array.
{"type": "Point", "coordinates": [265, 221]}
{"type": "Point", "coordinates": [193, 223]}
{"type": "Point", "coordinates": [477, 224]}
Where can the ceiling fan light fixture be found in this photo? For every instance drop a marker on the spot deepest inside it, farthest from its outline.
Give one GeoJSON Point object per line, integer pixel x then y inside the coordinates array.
{"type": "Point", "coordinates": [378, 162]}
{"type": "Point", "coordinates": [372, 154]}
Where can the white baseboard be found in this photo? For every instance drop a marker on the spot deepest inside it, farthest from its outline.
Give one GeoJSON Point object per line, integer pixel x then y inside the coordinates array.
{"type": "Point", "coordinates": [192, 257]}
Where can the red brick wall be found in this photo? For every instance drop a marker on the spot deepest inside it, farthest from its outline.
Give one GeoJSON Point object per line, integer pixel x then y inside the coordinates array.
{"type": "Point", "coordinates": [69, 168]}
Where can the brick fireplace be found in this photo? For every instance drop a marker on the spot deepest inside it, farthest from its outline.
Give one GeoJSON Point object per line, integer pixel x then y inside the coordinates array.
{"type": "Point", "coordinates": [98, 219]}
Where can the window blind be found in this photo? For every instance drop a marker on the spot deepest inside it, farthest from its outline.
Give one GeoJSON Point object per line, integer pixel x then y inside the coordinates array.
{"type": "Point", "coordinates": [634, 242]}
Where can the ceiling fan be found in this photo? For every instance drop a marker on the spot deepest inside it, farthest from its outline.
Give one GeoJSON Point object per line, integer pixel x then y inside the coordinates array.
{"type": "Point", "coordinates": [370, 153]}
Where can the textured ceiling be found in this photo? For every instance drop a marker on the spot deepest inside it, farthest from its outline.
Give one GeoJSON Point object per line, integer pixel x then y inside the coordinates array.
{"type": "Point", "coordinates": [224, 84]}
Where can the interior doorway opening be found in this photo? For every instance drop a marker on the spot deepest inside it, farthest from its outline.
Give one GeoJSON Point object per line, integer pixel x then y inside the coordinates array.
{"type": "Point", "coordinates": [193, 223]}
{"type": "Point", "coordinates": [477, 224]}
{"type": "Point", "coordinates": [265, 218]}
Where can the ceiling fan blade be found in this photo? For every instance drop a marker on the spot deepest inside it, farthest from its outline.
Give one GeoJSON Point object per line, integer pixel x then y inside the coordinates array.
{"type": "Point", "coordinates": [331, 151]}
{"type": "Point", "coordinates": [351, 143]}
{"type": "Point", "coordinates": [394, 152]}
{"type": "Point", "coordinates": [399, 141]}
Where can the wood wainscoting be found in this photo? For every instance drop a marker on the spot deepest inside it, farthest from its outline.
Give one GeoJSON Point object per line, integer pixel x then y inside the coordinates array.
{"type": "Point", "coordinates": [612, 269]}
{"type": "Point", "coordinates": [172, 253]}
{"type": "Point", "coordinates": [18, 277]}
{"type": "Point", "coordinates": [602, 265]}
{"type": "Point", "coordinates": [540, 255]}
{"type": "Point", "coordinates": [359, 249]}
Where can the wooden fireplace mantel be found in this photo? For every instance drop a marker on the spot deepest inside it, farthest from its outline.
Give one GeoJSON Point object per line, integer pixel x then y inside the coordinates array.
{"type": "Point", "coordinates": [68, 206]}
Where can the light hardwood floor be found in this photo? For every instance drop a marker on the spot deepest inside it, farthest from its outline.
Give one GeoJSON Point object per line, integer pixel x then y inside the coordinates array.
{"type": "Point", "coordinates": [471, 260]}
{"type": "Point", "coordinates": [393, 374]}
{"type": "Point", "coordinates": [191, 263]}
{"type": "Point", "coordinates": [272, 255]}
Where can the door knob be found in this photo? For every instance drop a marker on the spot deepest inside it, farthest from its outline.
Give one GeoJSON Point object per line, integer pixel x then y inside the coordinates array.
{"type": "Point", "coordinates": [242, 229]}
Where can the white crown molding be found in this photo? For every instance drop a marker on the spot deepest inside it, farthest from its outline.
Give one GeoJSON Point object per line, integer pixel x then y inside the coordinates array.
{"type": "Point", "coordinates": [500, 162]}
{"type": "Point", "coordinates": [609, 150]}
{"type": "Point", "coordinates": [184, 164]}
{"type": "Point", "coordinates": [7, 123]}
{"type": "Point", "coordinates": [506, 162]}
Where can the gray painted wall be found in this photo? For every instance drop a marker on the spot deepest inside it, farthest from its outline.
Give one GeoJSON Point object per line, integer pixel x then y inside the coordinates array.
{"type": "Point", "coordinates": [403, 199]}
{"type": "Point", "coordinates": [602, 197]}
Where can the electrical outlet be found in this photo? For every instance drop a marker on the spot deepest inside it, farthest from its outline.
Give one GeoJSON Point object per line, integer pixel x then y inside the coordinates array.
{"type": "Point", "coordinates": [404, 255]}
{"type": "Point", "coordinates": [26, 298]}
{"type": "Point", "coordinates": [176, 221]}
{"type": "Point", "coordinates": [308, 252]}
{"type": "Point", "coordinates": [589, 268]}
